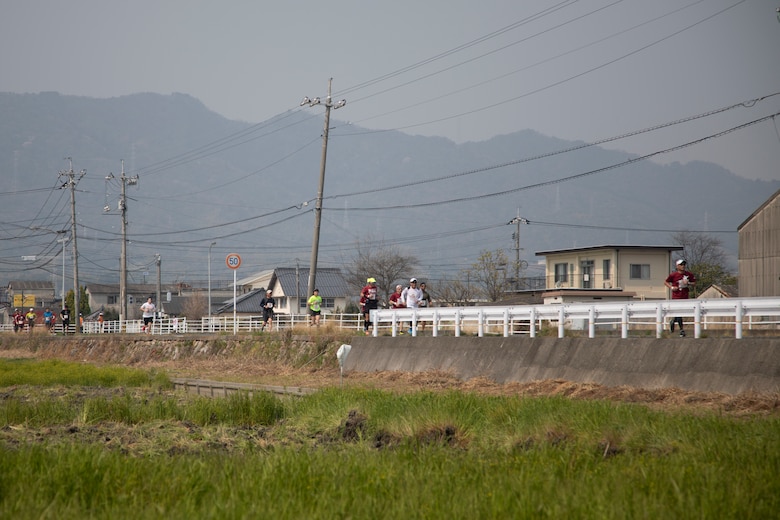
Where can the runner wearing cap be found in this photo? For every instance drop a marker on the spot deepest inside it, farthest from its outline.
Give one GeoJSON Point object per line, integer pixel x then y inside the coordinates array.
{"type": "Point", "coordinates": [411, 297]}
{"type": "Point", "coordinates": [368, 302]}
{"type": "Point", "coordinates": [679, 282]}
{"type": "Point", "coordinates": [30, 317]}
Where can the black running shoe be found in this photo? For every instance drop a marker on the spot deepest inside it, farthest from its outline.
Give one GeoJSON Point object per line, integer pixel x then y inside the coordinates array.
{"type": "Point", "coordinates": [682, 333]}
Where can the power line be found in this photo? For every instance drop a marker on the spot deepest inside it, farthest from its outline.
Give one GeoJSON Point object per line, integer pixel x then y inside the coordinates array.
{"type": "Point", "coordinates": [560, 82]}
{"type": "Point", "coordinates": [565, 179]}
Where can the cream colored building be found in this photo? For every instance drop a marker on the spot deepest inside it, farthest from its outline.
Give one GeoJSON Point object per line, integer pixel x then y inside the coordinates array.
{"type": "Point", "coordinates": [608, 272]}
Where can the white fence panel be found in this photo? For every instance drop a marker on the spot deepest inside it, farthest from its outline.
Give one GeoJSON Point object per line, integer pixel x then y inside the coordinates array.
{"type": "Point", "coordinates": [736, 311]}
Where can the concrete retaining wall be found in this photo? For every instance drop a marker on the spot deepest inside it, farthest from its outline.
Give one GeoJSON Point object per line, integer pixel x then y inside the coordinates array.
{"type": "Point", "coordinates": [710, 365]}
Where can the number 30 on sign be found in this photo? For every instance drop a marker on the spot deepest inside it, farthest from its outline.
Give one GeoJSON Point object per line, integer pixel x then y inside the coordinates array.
{"type": "Point", "coordinates": [233, 261]}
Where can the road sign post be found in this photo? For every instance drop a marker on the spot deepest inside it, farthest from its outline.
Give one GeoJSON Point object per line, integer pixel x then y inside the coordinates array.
{"type": "Point", "coordinates": [233, 261]}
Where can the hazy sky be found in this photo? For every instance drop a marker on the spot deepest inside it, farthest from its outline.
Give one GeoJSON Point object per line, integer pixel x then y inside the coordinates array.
{"type": "Point", "coordinates": [579, 70]}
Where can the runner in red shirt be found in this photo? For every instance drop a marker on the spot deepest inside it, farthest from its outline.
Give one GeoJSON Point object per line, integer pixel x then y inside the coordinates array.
{"type": "Point", "coordinates": [368, 302]}
{"type": "Point", "coordinates": [679, 281]}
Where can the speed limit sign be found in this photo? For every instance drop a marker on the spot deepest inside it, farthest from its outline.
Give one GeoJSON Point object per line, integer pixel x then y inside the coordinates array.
{"type": "Point", "coordinates": [233, 261]}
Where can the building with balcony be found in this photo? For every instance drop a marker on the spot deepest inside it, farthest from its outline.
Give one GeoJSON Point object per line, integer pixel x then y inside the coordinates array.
{"type": "Point", "coordinates": [607, 273]}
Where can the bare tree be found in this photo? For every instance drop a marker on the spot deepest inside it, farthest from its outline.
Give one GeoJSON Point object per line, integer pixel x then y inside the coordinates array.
{"type": "Point", "coordinates": [195, 307]}
{"type": "Point", "coordinates": [700, 248]}
{"type": "Point", "coordinates": [452, 293]}
{"type": "Point", "coordinates": [489, 272]}
{"type": "Point", "coordinates": [376, 259]}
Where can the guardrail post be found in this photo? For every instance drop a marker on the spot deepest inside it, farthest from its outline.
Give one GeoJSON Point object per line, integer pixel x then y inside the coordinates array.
{"type": "Point", "coordinates": [414, 323]}
{"type": "Point", "coordinates": [532, 323]}
{"type": "Point", "coordinates": [481, 324]}
{"type": "Point", "coordinates": [592, 322]}
{"type": "Point", "coordinates": [659, 320]}
{"type": "Point", "coordinates": [697, 319]}
{"type": "Point", "coordinates": [457, 323]}
{"type": "Point", "coordinates": [561, 315]}
{"type": "Point", "coordinates": [506, 323]}
{"type": "Point", "coordinates": [435, 323]}
{"type": "Point", "coordinates": [738, 320]}
{"type": "Point", "coordinates": [624, 322]}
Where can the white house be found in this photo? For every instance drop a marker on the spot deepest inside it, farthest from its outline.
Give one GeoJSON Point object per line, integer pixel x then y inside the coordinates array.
{"type": "Point", "coordinates": [288, 284]}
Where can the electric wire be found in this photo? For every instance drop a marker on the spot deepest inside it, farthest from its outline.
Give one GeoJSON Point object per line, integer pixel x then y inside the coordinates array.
{"type": "Point", "coordinates": [748, 103]}
{"type": "Point", "coordinates": [516, 71]}
{"type": "Point", "coordinates": [556, 83]}
{"type": "Point", "coordinates": [569, 178]}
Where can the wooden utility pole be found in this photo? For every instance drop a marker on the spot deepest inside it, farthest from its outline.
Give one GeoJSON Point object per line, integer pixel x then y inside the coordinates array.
{"type": "Point", "coordinates": [71, 182]}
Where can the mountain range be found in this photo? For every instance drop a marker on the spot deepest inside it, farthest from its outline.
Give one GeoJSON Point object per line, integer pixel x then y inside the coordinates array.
{"type": "Point", "coordinates": [252, 188]}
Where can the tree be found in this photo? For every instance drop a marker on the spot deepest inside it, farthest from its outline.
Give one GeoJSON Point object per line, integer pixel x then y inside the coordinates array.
{"type": "Point", "coordinates": [83, 301]}
{"type": "Point", "coordinates": [454, 292]}
{"type": "Point", "coordinates": [700, 248]}
{"type": "Point", "coordinates": [489, 273]}
{"type": "Point", "coordinates": [195, 307]}
{"type": "Point", "coordinates": [706, 259]}
{"type": "Point", "coordinates": [376, 259]}
{"type": "Point", "coordinates": [711, 274]}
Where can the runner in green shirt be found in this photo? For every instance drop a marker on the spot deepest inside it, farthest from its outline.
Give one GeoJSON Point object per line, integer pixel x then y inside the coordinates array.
{"type": "Point", "coordinates": [314, 303]}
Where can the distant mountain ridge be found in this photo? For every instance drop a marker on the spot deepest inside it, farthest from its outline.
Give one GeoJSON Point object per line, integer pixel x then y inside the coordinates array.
{"type": "Point", "coordinates": [199, 171]}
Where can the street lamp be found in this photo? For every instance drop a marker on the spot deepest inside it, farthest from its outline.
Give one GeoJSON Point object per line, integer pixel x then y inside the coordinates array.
{"type": "Point", "coordinates": [315, 245]}
{"type": "Point", "coordinates": [64, 241]}
{"type": "Point", "coordinates": [210, 246]}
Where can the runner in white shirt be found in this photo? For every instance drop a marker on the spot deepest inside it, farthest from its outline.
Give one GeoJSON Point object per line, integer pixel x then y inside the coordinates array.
{"type": "Point", "coordinates": [411, 297]}
{"type": "Point", "coordinates": [148, 309]}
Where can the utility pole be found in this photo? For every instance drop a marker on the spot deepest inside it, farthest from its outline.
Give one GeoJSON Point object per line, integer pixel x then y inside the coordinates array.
{"type": "Point", "coordinates": [298, 287]}
{"type": "Point", "coordinates": [70, 182]}
{"type": "Point", "coordinates": [516, 235]}
{"type": "Point", "coordinates": [211, 329]}
{"type": "Point", "coordinates": [318, 205]}
{"type": "Point", "coordinates": [122, 206]}
{"type": "Point", "coordinates": [158, 305]}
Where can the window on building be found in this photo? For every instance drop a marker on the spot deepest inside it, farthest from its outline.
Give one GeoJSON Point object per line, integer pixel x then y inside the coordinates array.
{"type": "Point", "coordinates": [587, 268]}
{"type": "Point", "coordinates": [640, 271]}
{"type": "Point", "coordinates": [606, 267]}
{"type": "Point", "coordinates": [561, 273]}
{"type": "Point", "coordinates": [112, 300]}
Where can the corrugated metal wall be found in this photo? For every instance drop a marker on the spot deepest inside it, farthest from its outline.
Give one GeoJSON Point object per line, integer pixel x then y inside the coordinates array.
{"type": "Point", "coordinates": [759, 252]}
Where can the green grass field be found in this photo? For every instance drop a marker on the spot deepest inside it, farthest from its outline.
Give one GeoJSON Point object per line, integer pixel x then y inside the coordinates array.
{"type": "Point", "coordinates": [87, 442]}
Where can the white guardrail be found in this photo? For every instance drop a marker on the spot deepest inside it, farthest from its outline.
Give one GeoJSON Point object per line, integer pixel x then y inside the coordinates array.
{"type": "Point", "coordinates": [724, 313]}
{"type": "Point", "coordinates": [528, 319]}
{"type": "Point", "coordinates": [216, 324]}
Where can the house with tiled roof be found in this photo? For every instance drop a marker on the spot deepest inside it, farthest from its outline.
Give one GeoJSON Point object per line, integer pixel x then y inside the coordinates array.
{"type": "Point", "coordinates": [290, 284]}
{"type": "Point", "coordinates": [247, 304]}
